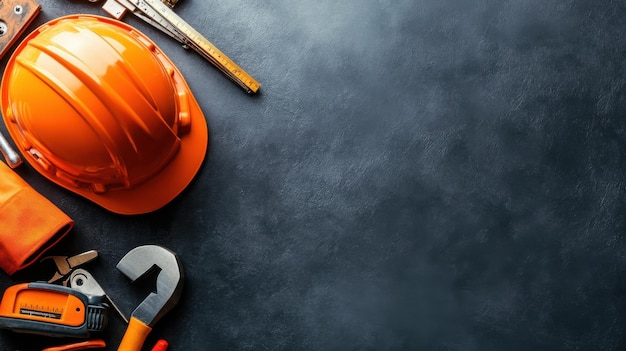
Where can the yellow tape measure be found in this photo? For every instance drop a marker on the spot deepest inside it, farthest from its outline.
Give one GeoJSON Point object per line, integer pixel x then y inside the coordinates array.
{"type": "Point", "coordinates": [192, 38]}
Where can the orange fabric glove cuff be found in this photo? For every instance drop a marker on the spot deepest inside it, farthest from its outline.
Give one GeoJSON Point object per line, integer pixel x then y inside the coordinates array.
{"type": "Point", "coordinates": [29, 223]}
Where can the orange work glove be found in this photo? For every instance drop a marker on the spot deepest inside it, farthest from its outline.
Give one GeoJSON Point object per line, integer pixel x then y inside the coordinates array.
{"type": "Point", "coordinates": [29, 223]}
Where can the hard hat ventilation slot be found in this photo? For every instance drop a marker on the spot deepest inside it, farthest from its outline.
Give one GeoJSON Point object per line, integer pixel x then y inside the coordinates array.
{"type": "Point", "coordinates": [62, 176]}
{"type": "Point", "coordinates": [98, 188]}
{"type": "Point", "coordinates": [184, 116]}
{"type": "Point", "coordinates": [40, 159]}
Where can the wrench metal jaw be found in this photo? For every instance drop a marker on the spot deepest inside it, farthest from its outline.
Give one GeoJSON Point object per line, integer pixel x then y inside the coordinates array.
{"type": "Point", "coordinates": [143, 260]}
{"type": "Point", "coordinates": [169, 283]}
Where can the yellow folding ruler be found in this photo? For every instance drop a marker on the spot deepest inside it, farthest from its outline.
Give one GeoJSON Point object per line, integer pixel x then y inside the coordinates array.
{"type": "Point", "coordinates": [159, 14]}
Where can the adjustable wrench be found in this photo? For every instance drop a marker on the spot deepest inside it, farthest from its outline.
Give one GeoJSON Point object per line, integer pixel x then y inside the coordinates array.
{"type": "Point", "coordinates": [169, 283]}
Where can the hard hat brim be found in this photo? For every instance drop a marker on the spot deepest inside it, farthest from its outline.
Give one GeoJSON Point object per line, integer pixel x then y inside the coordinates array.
{"type": "Point", "coordinates": [161, 189]}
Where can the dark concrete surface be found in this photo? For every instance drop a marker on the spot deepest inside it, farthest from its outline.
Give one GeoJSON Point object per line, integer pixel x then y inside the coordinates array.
{"type": "Point", "coordinates": [414, 175]}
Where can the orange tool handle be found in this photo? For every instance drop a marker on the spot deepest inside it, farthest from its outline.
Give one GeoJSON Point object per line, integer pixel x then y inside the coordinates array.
{"type": "Point", "coordinates": [84, 345]}
{"type": "Point", "coordinates": [134, 336]}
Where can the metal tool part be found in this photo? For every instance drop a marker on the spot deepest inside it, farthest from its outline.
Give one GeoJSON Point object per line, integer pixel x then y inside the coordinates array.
{"type": "Point", "coordinates": [83, 281]}
{"type": "Point", "coordinates": [66, 264]}
{"type": "Point", "coordinates": [169, 283]}
{"type": "Point", "coordinates": [15, 16]}
{"type": "Point", "coordinates": [159, 15]}
{"type": "Point", "coordinates": [12, 158]}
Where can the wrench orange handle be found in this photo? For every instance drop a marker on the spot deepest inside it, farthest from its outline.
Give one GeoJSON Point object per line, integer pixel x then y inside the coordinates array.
{"type": "Point", "coordinates": [134, 336]}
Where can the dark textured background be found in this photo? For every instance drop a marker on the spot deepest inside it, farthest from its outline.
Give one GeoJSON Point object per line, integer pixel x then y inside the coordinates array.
{"type": "Point", "coordinates": [415, 175]}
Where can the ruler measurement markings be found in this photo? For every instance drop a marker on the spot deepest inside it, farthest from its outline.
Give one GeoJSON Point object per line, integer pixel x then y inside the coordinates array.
{"type": "Point", "coordinates": [198, 41]}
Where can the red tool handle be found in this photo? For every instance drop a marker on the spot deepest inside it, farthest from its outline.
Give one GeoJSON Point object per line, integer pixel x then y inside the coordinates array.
{"type": "Point", "coordinates": [161, 345]}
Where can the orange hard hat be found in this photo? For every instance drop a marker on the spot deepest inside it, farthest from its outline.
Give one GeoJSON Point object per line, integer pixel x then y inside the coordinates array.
{"type": "Point", "coordinates": [96, 107]}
